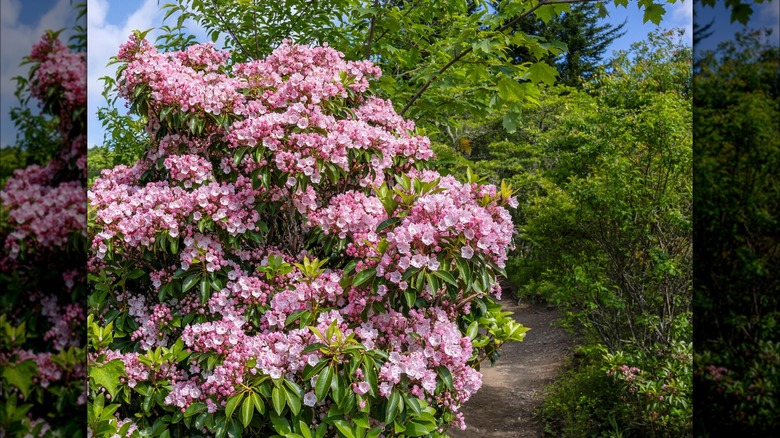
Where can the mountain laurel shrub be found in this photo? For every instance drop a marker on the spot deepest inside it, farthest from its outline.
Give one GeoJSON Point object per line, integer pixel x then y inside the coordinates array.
{"type": "Point", "coordinates": [282, 261]}
{"type": "Point", "coordinates": [43, 237]}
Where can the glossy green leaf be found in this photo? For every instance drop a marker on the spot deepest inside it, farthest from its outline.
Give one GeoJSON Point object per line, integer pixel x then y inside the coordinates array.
{"type": "Point", "coordinates": [232, 404]}
{"type": "Point", "coordinates": [322, 386]}
{"type": "Point", "coordinates": [247, 410]}
{"type": "Point", "coordinates": [278, 399]}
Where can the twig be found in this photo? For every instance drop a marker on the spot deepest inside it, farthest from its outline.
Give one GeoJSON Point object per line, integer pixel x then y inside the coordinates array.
{"type": "Point", "coordinates": [467, 299]}
{"type": "Point", "coordinates": [381, 35]}
{"type": "Point", "coordinates": [469, 49]}
{"type": "Point", "coordinates": [371, 30]}
{"type": "Point", "coordinates": [295, 21]}
{"type": "Point", "coordinates": [230, 31]}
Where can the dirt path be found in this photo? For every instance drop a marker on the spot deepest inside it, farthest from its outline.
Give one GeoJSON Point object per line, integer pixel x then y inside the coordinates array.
{"type": "Point", "coordinates": [511, 390]}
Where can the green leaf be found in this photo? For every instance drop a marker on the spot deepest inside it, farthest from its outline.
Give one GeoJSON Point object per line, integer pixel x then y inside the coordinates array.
{"type": "Point", "coordinates": [546, 13]}
{"type": "Point", "coordinates": [305, 430]}
{"type": "Point", "coordinates": [247, 410]}
{"type": "Point", "coordinates": [364, 277]}
{"type": "Point", "coordinates": [107, 375]}
{"type": "Point", "coordinates": [446, 376]}
{"type": "Point", "coordinates": [258, 402]}
{"type": "Point", "coordinates": [446, 276]}
{"type": "Point", "coordinates": [135, 274]}
{"type": "Point", "coordinates": [741, 12]}
{"type": "Point", "coordinates": [509, 90]}
{"type": "Point", "coordinates": [190, 281]}
{"type": "Point", "coordinates": [309, 371]}
{"type": "Point", "coordinates": [361, 420]}
{"type": "Point", "coordinates": [654, 12]}
{"type": "Point", "coordinates": [204, 290]}
{"type": "Point", "coordinates": [391, 409]}
{"type": "Point", "coordinates": [277, 397]}
{"type": "Point", "coordinates": [414, 403]}
{"type": "Point", "coordinates": [388, 223]}
{"type": "Point", "coordinates": [371, 377]}
{"type": "Point", "coordinates": [194, 409]}
{"type": "Point", "coordinates": [234, 429]}
{"type": "Point", "coordinates": [281, 424]}
{"type": "Point", "coordinates": [344, 427]}
{"type": "Point", "coordinates": [293, 401]}
{"type": "Point", "coordinates": [511, 121]}
{"type": "Point", "coordinates": [472, 330]}
{"type": "Point", "coordinates": [232, 404]}
{"type": "Point", "coordinates": [323, 383]}
{"type": "Point", "coordinates": [410, 297]}
{"type": "Point", "coordinates": [21, 375]}
{"type": "Point", "coordinates": [193, 124]}
{"type": "Point", "coordinates": [542, 72]}
{"type": "Point", "coordinates": [417, 429]}
{"type": "Point", "coordinates": [484, 45]}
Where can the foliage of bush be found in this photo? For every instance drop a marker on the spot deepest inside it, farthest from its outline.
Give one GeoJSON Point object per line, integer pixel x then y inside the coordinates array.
{"type": "Point", "coordinates": [601, 394]}
{"type": "Point", "coordinates": [584, 399]}
{"type": "Point", "coordinates": [604, 214]}
{"type": "Point", "coordinates": [43, 236]}
{"type": "Point", "coordinates": [281, 262]}
{"type": "Point", "coordinates": [737, 304]}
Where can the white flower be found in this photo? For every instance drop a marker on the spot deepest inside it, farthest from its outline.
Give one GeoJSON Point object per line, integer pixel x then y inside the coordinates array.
{"type": "Point", "coordinates": [309, 399]}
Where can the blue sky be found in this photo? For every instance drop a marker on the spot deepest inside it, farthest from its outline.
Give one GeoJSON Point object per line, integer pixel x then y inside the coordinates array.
{"type": "Point", "coordinates": [22, 23]}
{"type": "Point", "coordinates": [110, 23]}
{"type": "Point", "coordinates": [678, 15]}
{"type": "Point", "coordinates": [765, 16]}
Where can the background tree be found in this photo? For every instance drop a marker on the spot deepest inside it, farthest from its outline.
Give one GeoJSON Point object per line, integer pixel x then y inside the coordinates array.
{"type": "Point", "coordinates": [605, 190]}
{"type": "Point", "coordinates": [737, 99]}
{"type": "Point", "coordinates": [586, 41]}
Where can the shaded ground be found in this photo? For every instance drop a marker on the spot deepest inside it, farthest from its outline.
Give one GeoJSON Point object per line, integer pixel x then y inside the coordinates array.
{"type": "Point", "coordinates": [512, 389]}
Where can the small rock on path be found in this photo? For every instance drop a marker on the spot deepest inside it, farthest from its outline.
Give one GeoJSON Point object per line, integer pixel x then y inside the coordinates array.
{"type": "Point", "coordinates": [512, 388]}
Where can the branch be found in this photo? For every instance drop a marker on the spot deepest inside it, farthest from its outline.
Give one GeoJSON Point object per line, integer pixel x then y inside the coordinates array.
{"type": "Point", "coordinates": [254, 18]}
{"type": "Point", "coordinates": [295, 21]}
{"type": "Point", "coordinates": [371, 30]}
{"type": "Point", "coordinates": [466, 300]}
{"type": "Point", "coordinates": [230, 31]}
{"type": "Point", "coordinates": [469, 49]}
{"type": "Point", "coordinates": [402, 16]}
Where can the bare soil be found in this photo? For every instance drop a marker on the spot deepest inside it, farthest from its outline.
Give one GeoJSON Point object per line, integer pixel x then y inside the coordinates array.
{"type": "Point", "coordinates": [512, 389]}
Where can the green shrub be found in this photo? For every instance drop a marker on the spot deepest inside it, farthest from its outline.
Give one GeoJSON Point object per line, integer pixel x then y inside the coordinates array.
{"type": "Point", "coordinates": [583, 399]}
{"type": "Point", "coordinates": [736, 278]}
{"type": "Point", "coordinates": [623, 394]}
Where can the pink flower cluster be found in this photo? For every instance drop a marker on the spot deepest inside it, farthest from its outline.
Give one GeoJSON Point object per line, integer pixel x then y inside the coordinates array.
{"type": "Point", "coordinates": [189, 169]}
{"type": "Point", "coordinates": [188, 79]}
{"type": "Point", "coordinates": [43, 214]}
{"type": "Point", "coordinates": [59, 68]}
{"type": "Point", "coordinates": [420, 343]}
{"type": "Point", "coordinates": [624, 372]}
{"type": "Point", "coordinates": [351, 213]}
{"type": "Point", "coordinates": [133, 216]}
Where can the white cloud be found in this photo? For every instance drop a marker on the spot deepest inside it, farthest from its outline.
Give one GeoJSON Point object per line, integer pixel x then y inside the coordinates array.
{"type": "Point", "coordinates": [681, 16]}
{"type": "Point", "coordinates": [9, 12]}
{"type": "Point", "coordinates": [16, 42]}
{"type": "Point", "coordinates": [769, 13]}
